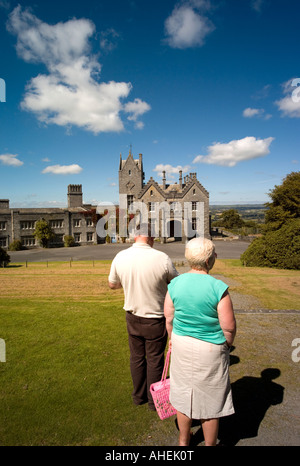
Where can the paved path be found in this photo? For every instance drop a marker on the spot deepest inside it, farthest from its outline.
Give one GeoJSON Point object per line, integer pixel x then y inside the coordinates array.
{"type": "Point", "coordinates": [225, 250]}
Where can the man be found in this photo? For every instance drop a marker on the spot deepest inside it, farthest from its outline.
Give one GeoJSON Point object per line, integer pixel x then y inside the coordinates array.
{"type": "Point", "coordinates": [144, 274]}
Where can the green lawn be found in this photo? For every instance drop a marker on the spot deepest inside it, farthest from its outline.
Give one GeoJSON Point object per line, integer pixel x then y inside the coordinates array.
{"type": "Point", "coordinates": [66, 379]}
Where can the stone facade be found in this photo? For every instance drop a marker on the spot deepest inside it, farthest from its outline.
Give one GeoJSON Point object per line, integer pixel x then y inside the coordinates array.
{"type": "Point", "coordinates": [183, 198]}
{"type": "Point", "coordinates": [76, 220]}
{"type": "Point", "coordinates": [79, 219]}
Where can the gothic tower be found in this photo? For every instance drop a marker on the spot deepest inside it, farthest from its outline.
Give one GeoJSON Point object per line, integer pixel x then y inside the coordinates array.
{"type": "Point", "coordinates": [131, 177]}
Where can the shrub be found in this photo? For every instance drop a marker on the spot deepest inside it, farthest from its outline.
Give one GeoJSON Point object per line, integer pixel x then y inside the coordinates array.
{"type": "Point", "coordinates": [280, 248]}
{"type": "Point", "coordinates": [4, 258]}
{"type": "Point", "coordinates": [280, 244]}
{"type": "Point", "coordinates": [69, 241]}
{"type": "Point", "coordinates": [16, 245]}
{"type": "Point", "coordinates": [43, 232]}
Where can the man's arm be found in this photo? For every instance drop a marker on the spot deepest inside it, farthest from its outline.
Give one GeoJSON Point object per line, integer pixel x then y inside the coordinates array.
{"type": "Point", "coordinates": [114, 286]}
{"type": "Point", "coordinates": [113, 278]}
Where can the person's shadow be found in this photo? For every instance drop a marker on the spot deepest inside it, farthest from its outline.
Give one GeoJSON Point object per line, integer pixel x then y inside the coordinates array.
{"type": "Point", "coordinates": [252, 397]}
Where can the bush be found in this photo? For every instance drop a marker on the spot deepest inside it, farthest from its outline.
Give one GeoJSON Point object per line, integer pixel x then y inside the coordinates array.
{"type": "Point", "coordinates": [69, 241]}
{"type": "Point", "coordinates": [280, 248]}
{"type": "Point", "coordinates": [4, 258]}
{"type": "Point", "coordinates": [43, 232]}
{"type": "Point", "coordinates": [16, 245]}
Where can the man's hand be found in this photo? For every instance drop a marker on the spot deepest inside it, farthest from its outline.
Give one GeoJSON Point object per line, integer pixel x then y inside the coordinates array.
{"type": "Point", "coordinates": [114, 286]}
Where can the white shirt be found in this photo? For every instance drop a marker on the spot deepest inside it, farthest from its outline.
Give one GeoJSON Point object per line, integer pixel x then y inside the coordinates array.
{"type": "Point", "coordinates": [144, 274]}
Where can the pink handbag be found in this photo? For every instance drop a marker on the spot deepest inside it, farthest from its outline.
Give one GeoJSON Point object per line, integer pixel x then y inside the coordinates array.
{"type": "Point", "coordinates": [160, 392]}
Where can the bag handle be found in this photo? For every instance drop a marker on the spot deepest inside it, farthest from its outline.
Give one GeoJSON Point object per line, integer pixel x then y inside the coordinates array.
{"type": "Point", "coordinates": [166, 366]}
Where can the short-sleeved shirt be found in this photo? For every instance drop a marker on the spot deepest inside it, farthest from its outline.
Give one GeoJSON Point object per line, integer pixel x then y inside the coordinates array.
{"type": "Point", "coordinates": [195, 298]}
{"type": "Point", "coordinates": [144, 274]}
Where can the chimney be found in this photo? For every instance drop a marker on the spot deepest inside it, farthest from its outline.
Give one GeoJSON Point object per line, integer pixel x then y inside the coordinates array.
{"type": "Point", "coordinates": [74, 195]}
{"type": "Point", "coordinates": [164, 180]}
{"type": "Point", "coordinates": [180, 178]}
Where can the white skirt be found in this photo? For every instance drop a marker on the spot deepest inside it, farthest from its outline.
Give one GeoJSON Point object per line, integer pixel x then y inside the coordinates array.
{"type": "Point", "coordinates": [199, 378]}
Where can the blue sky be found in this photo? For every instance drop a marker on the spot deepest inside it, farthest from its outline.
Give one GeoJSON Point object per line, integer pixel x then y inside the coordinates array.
{"type": "Point", "coordinates": [204, 86]}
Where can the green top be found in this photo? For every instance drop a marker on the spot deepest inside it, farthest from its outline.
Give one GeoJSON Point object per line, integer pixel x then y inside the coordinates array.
{"type": "Point", "coordinates": [195, 298]}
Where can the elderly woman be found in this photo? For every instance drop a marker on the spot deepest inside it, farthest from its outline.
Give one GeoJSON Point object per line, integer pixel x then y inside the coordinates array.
{"type": "Point", "coordinates": [201, 327]}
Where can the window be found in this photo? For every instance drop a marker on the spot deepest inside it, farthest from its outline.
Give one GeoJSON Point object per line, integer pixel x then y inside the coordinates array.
{"type": "Point", "coordinates": [129, 200]}
{"type": "Point", "coordinates": [77, 237]}
{"type": "Point", "coordinates": [129, 172]}
{"type": "Point", "coordinates": [151, 192]}
{"type": "Point", "coordinates": [28, 225]}
{"type": "Point", "coordinates": [194, 205]}
{"type": "Point", "coordinates": [194, 224]}
{"type": "Point", "coordinates": [89, 222]}
{"type": "Point", "coordinates": [28, 241]}
{"type": "Point", "coordinates": [56, 223]}
{"type": "Point", "coordinates": [90, 237]}
{"type": "Point", "coordinates": [3, 242]}
{"type": "Point", "coordinates": [2, 226]}
{"type": "Point", "coordinates": [151, 206]}
{"type": "Point", "coordinates": [59, 239]}
{"type": "Point", "coordinates": [77, 222]}
{"type": "Point", "coordinates": [194, 191]}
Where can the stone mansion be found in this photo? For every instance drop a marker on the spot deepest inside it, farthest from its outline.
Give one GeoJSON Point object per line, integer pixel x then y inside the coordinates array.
{"type": "Point", "coordinates": [79, 219]}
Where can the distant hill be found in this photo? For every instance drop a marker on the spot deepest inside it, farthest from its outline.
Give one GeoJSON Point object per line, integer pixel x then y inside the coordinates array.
{"type": "Point", "coordinates": [255, 212]}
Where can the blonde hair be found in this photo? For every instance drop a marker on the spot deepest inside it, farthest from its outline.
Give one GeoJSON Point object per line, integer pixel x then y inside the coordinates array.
{"type": "Point", "coordinates": [200, 253]}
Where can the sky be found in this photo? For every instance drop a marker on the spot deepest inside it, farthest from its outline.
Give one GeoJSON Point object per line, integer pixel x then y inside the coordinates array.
{"type": "Point", "coordinates": [205, 86]}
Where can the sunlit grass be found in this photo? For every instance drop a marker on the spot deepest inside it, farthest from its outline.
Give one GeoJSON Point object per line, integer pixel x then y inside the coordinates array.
{"type": "Point", "coordinates": [275, 288]}
{"type": "Point", "coordinates": [66, 379]}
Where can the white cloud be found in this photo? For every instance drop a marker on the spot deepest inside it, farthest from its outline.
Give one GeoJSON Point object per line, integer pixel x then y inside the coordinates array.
{"type": "Point", "coordinates": [233, 152]}
{"type": "Point", "coordinates": [251, 112]}
{"type": "Point", "coordinates": [290, 104]}
{"type": "Point", "coordinates": [170, 170]}
{"type": "Point", "coordinates": [256, 112]}
{"type": "Point", "coordinates": [11, 159]}
{"type": "Point", "coordinates": [136, 109]}
{"type": "Point", "coordinates": [63, 169]}
{"type": "Point", "coordinates": [186, 27]}
{"type": "Point", "coordinates": [70, 94]}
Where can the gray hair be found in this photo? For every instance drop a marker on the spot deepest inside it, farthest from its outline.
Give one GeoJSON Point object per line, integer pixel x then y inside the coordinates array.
{"type": "Point", "coordinates": [200, 253]}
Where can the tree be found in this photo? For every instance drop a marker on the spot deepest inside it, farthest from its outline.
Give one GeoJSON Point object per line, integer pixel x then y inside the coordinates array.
{"type": "Point", "coordinates": [230, 219]}
{"type": "Point", "coordinates": [280, 244]}
{"type": "Point", "coordinates": [4, 258]}
{"type": "Point", "coordinates": [43, 232]}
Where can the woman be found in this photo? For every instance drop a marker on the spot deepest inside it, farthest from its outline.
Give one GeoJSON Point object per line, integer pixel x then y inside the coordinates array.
{"type": "Point", "coordinates": [201, 327]}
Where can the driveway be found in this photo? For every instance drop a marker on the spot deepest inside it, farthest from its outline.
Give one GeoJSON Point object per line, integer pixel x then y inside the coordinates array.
{"type": "Point", "coordinates": [225, 249]}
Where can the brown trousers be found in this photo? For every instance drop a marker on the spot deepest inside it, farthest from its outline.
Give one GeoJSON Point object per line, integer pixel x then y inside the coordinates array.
{"type": "Point", "coordinates": [147, 341]}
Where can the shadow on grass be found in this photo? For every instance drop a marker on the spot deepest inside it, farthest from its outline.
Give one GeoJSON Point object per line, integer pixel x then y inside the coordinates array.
{"type": "Point", "coordinates": [12, 266]}
{"type": "Point", "coordinates": [252, 397]}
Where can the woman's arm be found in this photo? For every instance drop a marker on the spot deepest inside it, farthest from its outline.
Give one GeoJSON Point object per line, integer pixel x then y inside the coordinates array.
{"type": "Point", "coordinates": [226, 318]}
{"type": "Point", "coordinates": [169, 313]}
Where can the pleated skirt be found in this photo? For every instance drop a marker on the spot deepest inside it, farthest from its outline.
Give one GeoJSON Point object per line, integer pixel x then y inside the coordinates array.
{"type": "Point", "coordinates": [199, 378]}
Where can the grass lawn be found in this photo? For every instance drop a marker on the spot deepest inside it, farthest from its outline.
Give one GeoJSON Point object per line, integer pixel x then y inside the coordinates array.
{"type": "Point", "coordinates": [66, 379]}
{"type": "Point", "coordinates": [275, 288]}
